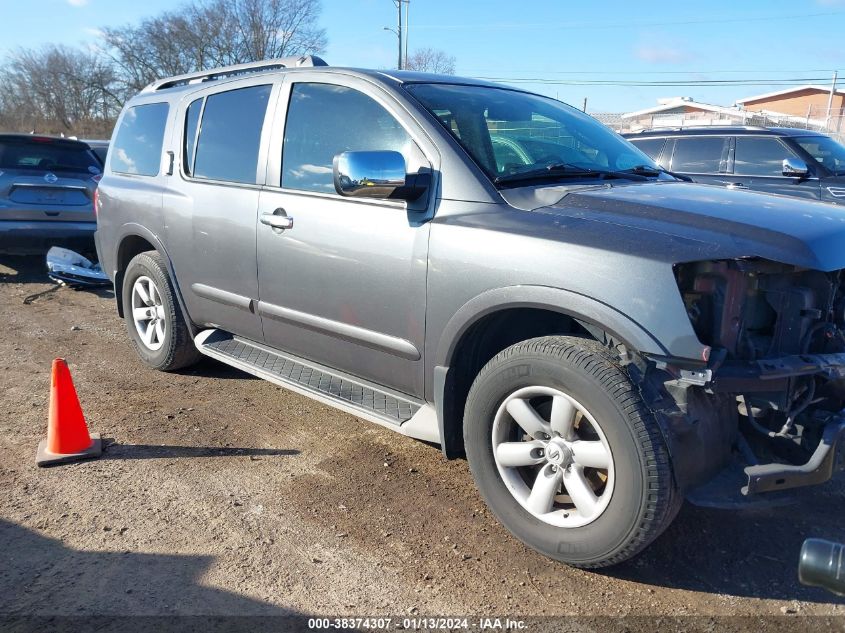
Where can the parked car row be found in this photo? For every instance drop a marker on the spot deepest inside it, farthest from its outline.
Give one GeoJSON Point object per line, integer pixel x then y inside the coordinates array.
{"type": "Point", "coordinates": [496, 272]}
{"type": "Point", "coordinates": [785, 161]}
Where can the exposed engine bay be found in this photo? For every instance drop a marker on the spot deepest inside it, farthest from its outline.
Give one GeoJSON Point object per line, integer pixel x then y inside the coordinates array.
{"type": "Point", "coordinates": [774, 388]}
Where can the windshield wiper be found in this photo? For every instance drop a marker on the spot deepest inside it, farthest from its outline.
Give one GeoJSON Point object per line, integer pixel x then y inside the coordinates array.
{"type": "Point", "coordinates": [565, 170]}
{"type": "Point", "coordinates": [646, 170]}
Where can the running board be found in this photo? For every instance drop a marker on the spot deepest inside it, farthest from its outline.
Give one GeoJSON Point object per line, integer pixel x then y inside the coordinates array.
{"type": "Point", "coordinates": [409, 416]}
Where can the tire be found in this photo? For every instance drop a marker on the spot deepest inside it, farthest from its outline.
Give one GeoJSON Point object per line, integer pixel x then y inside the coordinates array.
{"type": "Point", "coordinates": [171, 346]}
{"type": "Point", "coordinates": [576, 387]}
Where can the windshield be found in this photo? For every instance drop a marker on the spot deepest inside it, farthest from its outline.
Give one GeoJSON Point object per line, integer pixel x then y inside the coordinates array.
{"type": "Point", "coordinates": [45, 155]}
{"type": "Point", "coordinates": [825, 151]}
{"type": "Point", "coordinates": [510, 133]}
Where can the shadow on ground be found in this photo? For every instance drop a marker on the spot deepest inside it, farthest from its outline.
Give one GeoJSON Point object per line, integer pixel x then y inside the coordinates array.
{"type": "Point", "coordinates": [150, 451]}
{"type": "Point", "coordinates": [741, 553]}
{"type": "Point", "coordinates": [23, 269]}
{"type": "Point", "coordinates": [211, 368]}
{"type": "Point", "coordinates": [42, 582]}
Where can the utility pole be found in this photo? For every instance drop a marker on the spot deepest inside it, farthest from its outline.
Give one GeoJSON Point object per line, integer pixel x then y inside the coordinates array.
{"type": "Point", "coordinates": [400, 65]}
{"type": "Point", "coordinates": [830, 99]}
{"type": "Point", "coordinates": [401, 33]}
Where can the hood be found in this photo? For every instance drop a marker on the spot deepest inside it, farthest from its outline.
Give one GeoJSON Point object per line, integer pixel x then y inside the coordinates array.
{"type": "Point", "coordinates": [730, 223]}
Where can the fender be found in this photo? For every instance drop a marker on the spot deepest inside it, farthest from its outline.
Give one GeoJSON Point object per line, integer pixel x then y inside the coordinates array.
{"type": "Point", "coordinates": [573, 304]}
{"type": "Point", "coordinates": [136, 230]}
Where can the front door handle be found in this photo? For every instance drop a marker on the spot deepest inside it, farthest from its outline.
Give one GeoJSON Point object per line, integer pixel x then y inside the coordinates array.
{"type": "Point", "coordinates": [737, 185]}
{"type": "Point", "coordinates": [277, 220]}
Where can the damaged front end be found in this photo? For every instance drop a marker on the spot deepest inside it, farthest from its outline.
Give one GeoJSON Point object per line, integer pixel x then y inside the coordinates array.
{"type": "Point", "coordinates": [767, 402]}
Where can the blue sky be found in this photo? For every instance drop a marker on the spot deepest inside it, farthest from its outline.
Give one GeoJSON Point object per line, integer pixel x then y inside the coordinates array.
{"type": "Point", "coordinates": [549, 40]}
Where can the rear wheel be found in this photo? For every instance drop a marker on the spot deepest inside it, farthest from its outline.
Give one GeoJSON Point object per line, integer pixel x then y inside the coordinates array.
{"type": "Point", "coordinates": [567, 454]}
{"type": "Point", "coordinates": [154, 320]}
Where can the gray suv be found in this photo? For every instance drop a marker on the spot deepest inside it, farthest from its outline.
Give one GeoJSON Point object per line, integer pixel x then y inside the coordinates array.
{"type": "Point", "coordinates": [47, 190]}
{"type": "Point", "coordinates": [488, 270]}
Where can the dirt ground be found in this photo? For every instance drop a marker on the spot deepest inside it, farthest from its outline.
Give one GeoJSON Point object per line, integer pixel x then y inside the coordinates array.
{"type": "Point", "coordinates": [223, 494]}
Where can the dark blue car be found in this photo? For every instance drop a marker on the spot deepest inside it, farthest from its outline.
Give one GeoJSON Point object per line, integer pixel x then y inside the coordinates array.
{"type": "Point", "coordinates": [787, 161]}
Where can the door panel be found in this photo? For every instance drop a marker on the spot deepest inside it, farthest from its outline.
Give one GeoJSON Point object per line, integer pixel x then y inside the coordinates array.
{"type": "Point", "coordinates": [345, 286]}
{"type": "Point", "coordinates": [211, 207]}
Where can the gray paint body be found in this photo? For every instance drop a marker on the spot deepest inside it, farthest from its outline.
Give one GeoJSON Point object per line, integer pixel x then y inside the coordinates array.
{"type": "Point", "coordinates": [384, 289]}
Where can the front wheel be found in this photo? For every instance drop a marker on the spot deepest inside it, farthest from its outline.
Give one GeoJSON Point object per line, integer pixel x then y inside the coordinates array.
{"type": "Point", "coordinates": [566, 453]}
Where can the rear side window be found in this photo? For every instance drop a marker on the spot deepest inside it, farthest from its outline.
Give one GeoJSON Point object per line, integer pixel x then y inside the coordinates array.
{"type": "Point", "coordinates": [651, 146]}
{"type": "Point", "coordinates": [230, 135]}
{"type": "Point", "coordinates": [44, 154]}
{"type": "Point", "coordinates": [137, 148]}
{"type": "Point", "coordinates": [698, 155]}
{"type": "Point", "coordinates": [757, 156]}
{"type": "Point", "coordinates": [324, 120]}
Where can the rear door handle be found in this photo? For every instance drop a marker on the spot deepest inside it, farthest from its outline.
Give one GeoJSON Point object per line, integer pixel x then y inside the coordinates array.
{"type": "Point", "coordinates": [277, 220]}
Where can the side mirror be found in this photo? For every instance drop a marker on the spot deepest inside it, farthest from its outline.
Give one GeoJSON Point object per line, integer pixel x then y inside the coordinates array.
{"type": "Point", "coordinates": [375, 174]}
{"type": "Point", "coordinates": [795, 167]}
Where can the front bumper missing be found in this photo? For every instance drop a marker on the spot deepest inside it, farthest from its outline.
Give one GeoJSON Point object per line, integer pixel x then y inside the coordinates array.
{"type": "Point", "coordinates": [828, 459]}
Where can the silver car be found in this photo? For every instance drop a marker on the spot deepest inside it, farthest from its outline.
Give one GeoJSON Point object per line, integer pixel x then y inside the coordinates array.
{"type": "Point", "coordinates": [492, 271]}
{"type": "Point", "coordinates": [47, 190]}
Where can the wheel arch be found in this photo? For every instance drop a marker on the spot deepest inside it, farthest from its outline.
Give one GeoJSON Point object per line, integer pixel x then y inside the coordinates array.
{"type": "Point", "coordinates": [137, 239]}
{"type": "Point", "coordinates": [498, 318]}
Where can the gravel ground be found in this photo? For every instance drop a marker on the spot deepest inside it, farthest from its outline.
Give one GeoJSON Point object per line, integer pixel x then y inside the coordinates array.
{"type": "Point", "coordinates": [223, 494]}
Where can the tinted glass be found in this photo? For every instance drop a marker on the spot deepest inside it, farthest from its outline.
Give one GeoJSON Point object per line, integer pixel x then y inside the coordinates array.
{"type": "Point", "coordinates": [756, 156]}
{"type": "Point", "coordinates": [45, 155]}
{"type": "Point", "coordinates": [651, 146]}
{"type": "Point", "coordinates": [137, 148]}
{"type": "Point", "coordinates": [508, 132]}
{"type": "Point", "coordinates": [698, 155]}
{"type": "Point", "coordinates": [824, 151]}
{"type": "Point", "coordinates": [230, 134]}
{"type": "Point", "coordinates": [324, 120]}
{"type": "Point", "coordinates": [101, 153]}
{"type": "Point", "coordinates": [192, 119]}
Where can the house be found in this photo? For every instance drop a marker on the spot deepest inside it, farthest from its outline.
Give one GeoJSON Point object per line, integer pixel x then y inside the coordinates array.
{"type": "Point", "coordinates": [801, 101]}
{"type": "Point", "coordinates": [680, 112]}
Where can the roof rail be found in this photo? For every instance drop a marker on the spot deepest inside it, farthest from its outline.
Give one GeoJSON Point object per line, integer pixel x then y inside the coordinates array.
{"type": "Point", "coordinates": [238, 69]}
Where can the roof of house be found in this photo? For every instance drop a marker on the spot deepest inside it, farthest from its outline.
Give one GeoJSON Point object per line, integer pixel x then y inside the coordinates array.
{"type": "Point", "coordinates": [679, 102]}
{"type": "Point", "coordinates": [779, 93]}
{"type": "Point", "coordinates": [708, 130]}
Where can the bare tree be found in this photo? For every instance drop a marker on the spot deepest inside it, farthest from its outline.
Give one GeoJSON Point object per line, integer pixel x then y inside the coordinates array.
{"type": "Point", "coordinates": [431, 60]}
{"type": "Point", "coordinates": [57, 89]}
{"type": "Point", "coordinates": [202, 35]}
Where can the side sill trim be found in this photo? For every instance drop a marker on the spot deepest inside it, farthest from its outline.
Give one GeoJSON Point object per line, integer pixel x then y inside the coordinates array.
{"type": "Point", "coordinates": [352, 333]}
{"type": "Point", "coordinates": [222, 296]}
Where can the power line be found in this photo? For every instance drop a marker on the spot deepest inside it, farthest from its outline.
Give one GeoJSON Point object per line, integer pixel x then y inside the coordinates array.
{"type": "Point", "coordinates": [568, 26]}
{"type": "Point", "coordinates": [706, 83]}
{"type": "Point", "coordinates": [662, 72]}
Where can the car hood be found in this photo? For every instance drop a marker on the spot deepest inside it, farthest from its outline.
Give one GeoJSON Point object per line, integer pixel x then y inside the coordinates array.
{"type": "Point", "coordinates": [713, 222]}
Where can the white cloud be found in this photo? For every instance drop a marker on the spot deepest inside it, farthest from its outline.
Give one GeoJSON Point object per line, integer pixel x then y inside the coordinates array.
{"type": "Point", "coordinates": [655, 54]}
{"type": "Point", "coordinates": [77, 3]}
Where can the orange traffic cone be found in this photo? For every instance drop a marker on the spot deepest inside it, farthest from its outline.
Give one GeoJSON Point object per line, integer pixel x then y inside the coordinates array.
{"type": "Point", "coordinates": [67, 435]}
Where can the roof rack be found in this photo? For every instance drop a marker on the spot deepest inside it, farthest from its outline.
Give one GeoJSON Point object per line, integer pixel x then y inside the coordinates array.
{"type": "Point", "coordinates": [676, 128]}
{"type": "Point", "coordinates": [238, 69]}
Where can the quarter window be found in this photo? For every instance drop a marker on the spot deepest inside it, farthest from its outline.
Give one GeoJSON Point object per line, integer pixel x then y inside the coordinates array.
{"type": "Point", "coordinates": [698, 155]}
{"type": "Point", "coordinates": [324, 120]}
{"type": "Point", "coordinates": [192, 121]}
{"type": "Point", "coordinates": [230, 135]}
{"type": "Point", "coordinates": [137, 148]}
{"type": "Point", "coordinates": [758, 156]}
